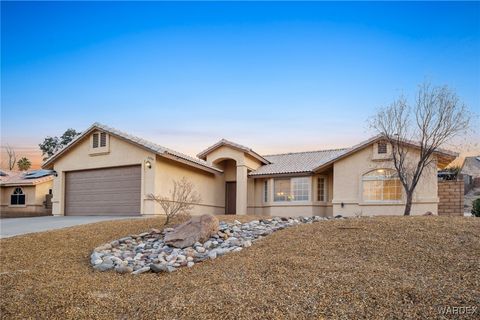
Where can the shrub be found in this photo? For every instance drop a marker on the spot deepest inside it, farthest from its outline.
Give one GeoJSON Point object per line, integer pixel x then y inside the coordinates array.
{"type": "Point", "coordinates": [182, 199]}
{"type": "Point", "coordinates": [476, 208]}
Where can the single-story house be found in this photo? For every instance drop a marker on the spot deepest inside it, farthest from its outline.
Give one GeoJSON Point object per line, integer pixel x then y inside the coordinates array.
{"type": "Point", "coordinates": [105, 171]}
{"type": "Point", "coordinates": [26, 194]}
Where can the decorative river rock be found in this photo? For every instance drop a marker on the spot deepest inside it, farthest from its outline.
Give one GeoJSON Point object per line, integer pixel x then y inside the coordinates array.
{"type": "Point", "coordinates": [148, 252]}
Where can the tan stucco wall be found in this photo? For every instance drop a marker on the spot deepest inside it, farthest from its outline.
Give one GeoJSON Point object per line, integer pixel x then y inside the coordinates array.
{"type": "Point", "coordinates": [211, 187]}
{"type": "Point", "coordinates": [121, 153]}
{"type": "Point", "coordinates": [347, 188]}
{"type": "Point", "coordinates": [34, 198]}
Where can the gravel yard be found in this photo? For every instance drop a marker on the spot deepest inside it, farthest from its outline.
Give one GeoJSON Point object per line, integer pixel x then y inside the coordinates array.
{"type": "Point", "coordinates": [375, 268]}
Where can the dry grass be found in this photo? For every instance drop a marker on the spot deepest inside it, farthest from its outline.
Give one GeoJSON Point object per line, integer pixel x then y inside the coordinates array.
{"type": "Point", "coordinates": [362, 268]}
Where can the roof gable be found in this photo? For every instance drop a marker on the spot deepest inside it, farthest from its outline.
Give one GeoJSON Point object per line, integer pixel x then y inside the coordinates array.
{"type": "Point", "coordinates": [445, 154]}
{"type": "Point", "coordinates": [224, 142]}
{"type": "Point", "coordinates": [312, 161]}
{"type": "Point", "coordinates": [142, 143]}
{"type": "Point", "coordinates": [471, 166]}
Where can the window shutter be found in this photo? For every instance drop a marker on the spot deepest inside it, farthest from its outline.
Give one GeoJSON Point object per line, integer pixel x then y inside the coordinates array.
{"type": "Point", "coordinates": [382, 148]}
{"type": "Point", "coordinates": [103, 139]}
{"type": "Point", "coordinates": [265, 191]}
{"type": "Point", "coordinates": [95, 140]}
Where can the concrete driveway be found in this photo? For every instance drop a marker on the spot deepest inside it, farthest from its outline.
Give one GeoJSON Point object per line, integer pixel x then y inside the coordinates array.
{"type": "Point", "coordinates": [10, 227]}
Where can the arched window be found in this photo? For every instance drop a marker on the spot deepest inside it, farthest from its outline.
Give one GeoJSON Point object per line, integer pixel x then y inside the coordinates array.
{"type": "Point", "coordinates": [381, 185]}
{"type": "Point", "coordinates": [17, 197]}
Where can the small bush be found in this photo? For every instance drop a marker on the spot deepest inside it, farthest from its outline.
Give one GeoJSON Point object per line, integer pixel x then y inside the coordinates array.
{"type": "Point", "coordinates": [476, 208]}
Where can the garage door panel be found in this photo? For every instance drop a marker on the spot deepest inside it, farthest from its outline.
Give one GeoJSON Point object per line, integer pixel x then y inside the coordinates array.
{"type": "Point", "coordinates": [109, 191]}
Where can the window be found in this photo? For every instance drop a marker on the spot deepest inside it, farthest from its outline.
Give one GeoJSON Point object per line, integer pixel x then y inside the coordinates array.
{"type": "Point", "coordinates": [17, 197]}
{"type": "Point", "coordinates": [382, 148]}
{"type": "Point", "coordinates": [292, 189]}
{"type": "Point", "coordinates": [103, 139]}
{"type": "Point", "coordinates": [265, 191]}
{"type": "Point", "coordinates": [95, 140]}
{"type": "Point", "coordinates": [322, 189]}
{"type": "Point", "coordinates": [381, 185]}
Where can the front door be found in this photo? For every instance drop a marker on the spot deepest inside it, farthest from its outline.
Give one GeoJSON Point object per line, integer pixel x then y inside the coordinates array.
{"type": "Point", "coordinates": [231, 197]}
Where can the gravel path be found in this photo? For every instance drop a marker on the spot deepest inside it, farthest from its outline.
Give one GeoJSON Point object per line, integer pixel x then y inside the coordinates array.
{"type": "Point", "coordinates": [370, 268]}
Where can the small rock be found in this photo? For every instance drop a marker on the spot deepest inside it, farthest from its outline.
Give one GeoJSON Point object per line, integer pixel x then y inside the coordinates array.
{"type": "Point", "coordinates": [212, 255]}
{"type": "Point", "coordinates": [161, 267]}
{"type": "Point", "coordinates": [142, 270]}
{"type": "Point", "coordinates": [104, 266]}
{"type": "Point", "coordinates": [171, 269]}
{"type": "Point", "coordinates": [96, 262]}
{"type": "Point", "coordinates": [200, 249]}
{"type": "Point", "coordinates": [124, 239]}
{"type": "Point", "coordinates": [247, 244]}
{"type": "Point", "coordinates": [123, 269]}
{"type": "Point", "coordinates": [207, 244]}
{"type": "Point", "coordinates": [190, 264]}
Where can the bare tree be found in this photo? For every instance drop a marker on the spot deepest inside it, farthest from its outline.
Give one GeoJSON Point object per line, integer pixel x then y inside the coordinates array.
{"type": "Point", "coordinates": [181, 199]}
{"type": "Point", "coordinates": [435, 118]}
{"type": "Point", "coordinates": [12, 157]}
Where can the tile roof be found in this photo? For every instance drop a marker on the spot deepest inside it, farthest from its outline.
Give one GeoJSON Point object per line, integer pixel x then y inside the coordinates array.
{"type": "Point", "coordinates": [471, 166]}
{"type": "Point", "coordinates": [298, 162]}
{"type": "Point", "coordinates": [225, 142]}
{"type": "Point", "coordinates": [158, 149]}
{"type": "Point", "coordinates": [20, 178]}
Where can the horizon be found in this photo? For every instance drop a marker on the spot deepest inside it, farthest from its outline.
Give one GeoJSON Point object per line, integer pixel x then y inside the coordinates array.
{"type": "Point", "coordinates": [276, 77]}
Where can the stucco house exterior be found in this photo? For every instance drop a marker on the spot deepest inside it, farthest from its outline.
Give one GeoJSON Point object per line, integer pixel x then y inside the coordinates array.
{"type": "Point", "coordinates": [105, 171]}
{"type": "Point", "coordinates": [26, 194]}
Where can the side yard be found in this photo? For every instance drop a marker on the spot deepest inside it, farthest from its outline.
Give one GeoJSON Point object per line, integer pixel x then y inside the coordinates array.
{"type": "Point", "coordinates": [375, 268]}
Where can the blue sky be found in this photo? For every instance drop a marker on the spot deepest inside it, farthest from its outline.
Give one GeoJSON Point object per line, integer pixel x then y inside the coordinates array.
{"type": "Point", "coordinates": [274, 76]}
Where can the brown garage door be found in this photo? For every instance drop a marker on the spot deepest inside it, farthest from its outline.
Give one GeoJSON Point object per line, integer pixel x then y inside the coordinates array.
{"type": "Point", "coordinates": [111, 191]}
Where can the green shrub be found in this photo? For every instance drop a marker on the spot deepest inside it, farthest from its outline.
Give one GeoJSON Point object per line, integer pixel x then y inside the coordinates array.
{"type": "Point", "coordinates": [476, 207]}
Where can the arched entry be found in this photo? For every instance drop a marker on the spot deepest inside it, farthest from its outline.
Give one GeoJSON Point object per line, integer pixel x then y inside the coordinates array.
{"type": "Point", "coordinates": [229, 167]}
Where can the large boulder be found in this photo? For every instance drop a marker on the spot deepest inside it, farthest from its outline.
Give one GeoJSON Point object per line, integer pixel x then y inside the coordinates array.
{"type": "Point", "coordinates": [197, 229]}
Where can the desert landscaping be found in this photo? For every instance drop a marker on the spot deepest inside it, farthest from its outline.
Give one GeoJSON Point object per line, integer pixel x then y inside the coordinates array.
{"type": "Point", "coordinates": [375, 268]}
{"type": "Point", "coordinates": [198, 239]}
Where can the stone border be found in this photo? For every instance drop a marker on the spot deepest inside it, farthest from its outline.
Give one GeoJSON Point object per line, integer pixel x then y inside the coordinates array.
{"type": "Point", "coordinates": [147, 251]}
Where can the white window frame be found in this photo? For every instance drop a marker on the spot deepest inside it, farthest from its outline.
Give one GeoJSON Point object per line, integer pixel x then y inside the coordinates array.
{"type": "Point", "coordinates": [379, 178]}
{"type": "Point", "coordinates": [290, 197]}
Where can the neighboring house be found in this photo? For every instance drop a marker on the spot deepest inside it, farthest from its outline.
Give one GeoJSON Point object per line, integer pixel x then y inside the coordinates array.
{"type": "Point", "coordinates": [471, 172]}
{"type": "Point", "coordinates": [107, 172]}
{"type": "Point", "coordinates": [26, 194]}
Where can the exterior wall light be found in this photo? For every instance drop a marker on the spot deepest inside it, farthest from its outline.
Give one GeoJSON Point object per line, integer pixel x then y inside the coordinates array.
{"type": "Point", "coordinates": [148, 164]}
